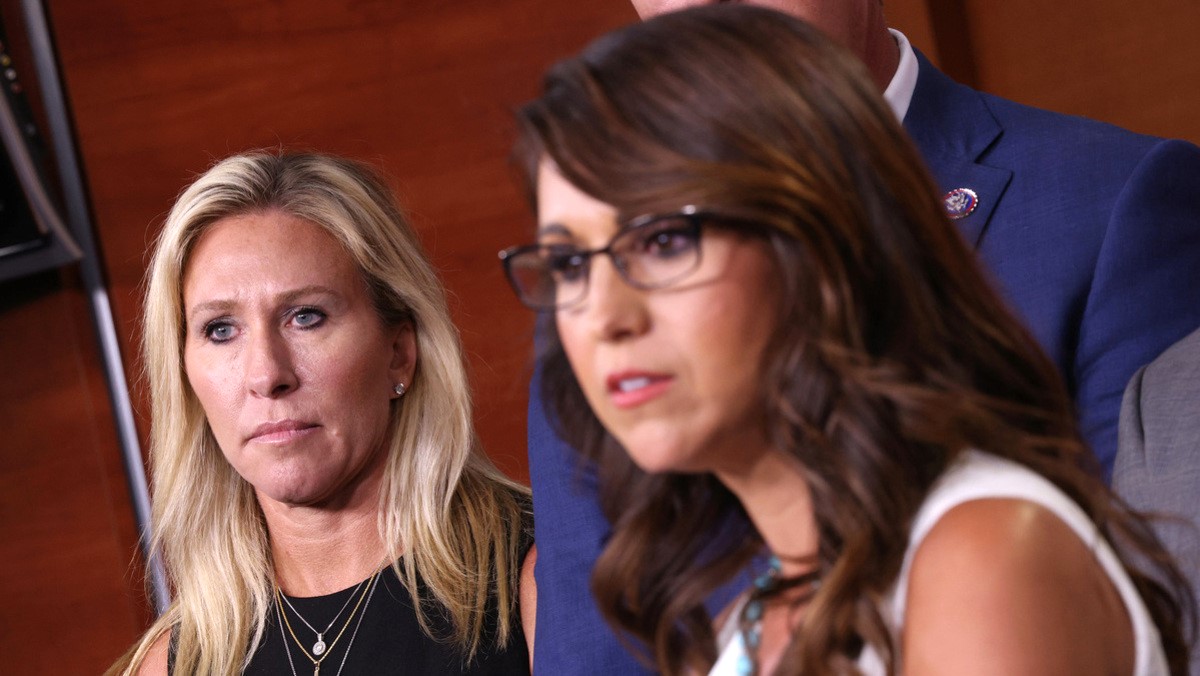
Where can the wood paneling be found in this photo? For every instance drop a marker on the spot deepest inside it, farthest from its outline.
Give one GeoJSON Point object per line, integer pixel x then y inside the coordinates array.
{"type": "Point", "coordinates": [1130, 64]}
{"type": "Point", "coordinates": [1134, 64]}
{"type": "Point", "coordinates": [72, 579]}
{"type": "Point", "coordinates": [72, 582]}
{"type": "Point", "coordinates": [912, 17]}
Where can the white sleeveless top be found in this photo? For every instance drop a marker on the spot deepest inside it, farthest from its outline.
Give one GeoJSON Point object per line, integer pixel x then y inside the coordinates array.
{"type": "Point", "coordinates": [974, 476]}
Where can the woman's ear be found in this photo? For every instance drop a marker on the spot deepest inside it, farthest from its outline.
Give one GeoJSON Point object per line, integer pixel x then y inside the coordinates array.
{"type": "Point", "coordinates": [404, 354]}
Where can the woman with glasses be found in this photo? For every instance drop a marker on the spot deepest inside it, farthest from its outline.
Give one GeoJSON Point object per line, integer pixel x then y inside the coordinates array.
{"type": "Point", "coordinates": [321, 502]}
{"type": "Point", "coordinates": [773, 345]}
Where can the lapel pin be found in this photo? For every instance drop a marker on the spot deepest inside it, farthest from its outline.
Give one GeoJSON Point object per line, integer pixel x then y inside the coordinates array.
{"type": "Point", "coordinates": [960, 202]}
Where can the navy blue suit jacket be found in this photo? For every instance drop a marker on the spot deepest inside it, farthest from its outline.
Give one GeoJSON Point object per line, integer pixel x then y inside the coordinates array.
{"type": "Point", "coordinates": [1091, 232]}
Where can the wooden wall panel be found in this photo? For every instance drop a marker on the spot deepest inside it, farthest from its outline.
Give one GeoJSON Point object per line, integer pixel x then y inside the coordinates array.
{"type": "Point", "coordinates": [914, 19]}
{"type": "Point", "coordinates": [72, 583]}
{"type": "Point", "coordinates": [72, 579]}
{"type": "Point", "coordinates": [1134, 64]}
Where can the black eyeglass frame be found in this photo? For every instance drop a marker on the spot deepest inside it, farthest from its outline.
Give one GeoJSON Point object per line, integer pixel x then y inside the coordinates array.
{"type": "Point", "coordinates": [694, 216]}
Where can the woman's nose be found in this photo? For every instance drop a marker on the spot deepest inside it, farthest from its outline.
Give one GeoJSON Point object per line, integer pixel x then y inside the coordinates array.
{"type": "Point", "coordinates": [269, 369]}
{"type": "Point", "coordinates": [614, 309]}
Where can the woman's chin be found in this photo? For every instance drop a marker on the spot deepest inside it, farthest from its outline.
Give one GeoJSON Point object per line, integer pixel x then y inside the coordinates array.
{"type": "Point", "coordinates": [291, 495]}
{"type": "Point", "coordinates": [300, 489]}
{"type": "Point", "coordinates": [657, 459]}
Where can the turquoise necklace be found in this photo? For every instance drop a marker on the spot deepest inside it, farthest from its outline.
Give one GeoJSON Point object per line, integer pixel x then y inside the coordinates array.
{"type": "Point", "coordinates": [767, 586]}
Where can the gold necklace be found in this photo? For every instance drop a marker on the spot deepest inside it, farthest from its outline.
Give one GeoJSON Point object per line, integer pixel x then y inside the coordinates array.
{"type": "Point", "coordinates": [316, 661]}
{"type": "Point", "coordinates": [319, 647]}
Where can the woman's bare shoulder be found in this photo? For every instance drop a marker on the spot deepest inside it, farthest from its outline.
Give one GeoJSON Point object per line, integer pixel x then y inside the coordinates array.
{"type": "Point", "coordinates": [527, 598]}
{"type": "Point", "coordinates": [1005, 585]}
{"type": "Point", "coordinates": [155, 662]}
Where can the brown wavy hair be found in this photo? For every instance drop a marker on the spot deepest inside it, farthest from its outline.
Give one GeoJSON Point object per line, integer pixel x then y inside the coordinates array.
{"type": "Point", "coordinates": [894, 353]}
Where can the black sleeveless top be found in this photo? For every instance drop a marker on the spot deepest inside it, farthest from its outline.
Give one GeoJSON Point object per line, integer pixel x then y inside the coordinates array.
{"type": "Point", "coordinates": [388, 640]}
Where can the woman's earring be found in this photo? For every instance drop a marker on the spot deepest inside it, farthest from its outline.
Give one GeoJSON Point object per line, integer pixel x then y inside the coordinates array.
{"type": "Point", "coordinates": [399, 389]}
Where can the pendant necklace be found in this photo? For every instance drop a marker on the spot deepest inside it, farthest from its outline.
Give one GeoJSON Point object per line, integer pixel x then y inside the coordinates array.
{"type": "Point", "coordinates": [318, 658]}
{"type": "Point", "coordinates": [354, 633]}
{"type": "Point", "coordinates": [287, 649]}
{"type": "Point", "coordinates": [319, 647]}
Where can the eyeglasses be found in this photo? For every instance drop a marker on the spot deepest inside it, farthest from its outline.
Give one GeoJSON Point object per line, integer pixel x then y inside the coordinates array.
{"type": "Point", "coordinates": [649, 252]}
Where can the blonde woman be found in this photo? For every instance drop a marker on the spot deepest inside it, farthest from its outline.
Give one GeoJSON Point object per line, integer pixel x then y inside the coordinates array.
{"type": "Point", "coordinates": [321, 503]}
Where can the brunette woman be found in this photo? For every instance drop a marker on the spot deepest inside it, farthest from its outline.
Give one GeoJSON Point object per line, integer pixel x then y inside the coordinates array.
{"type": "Point", "coordinates": [770, 340]}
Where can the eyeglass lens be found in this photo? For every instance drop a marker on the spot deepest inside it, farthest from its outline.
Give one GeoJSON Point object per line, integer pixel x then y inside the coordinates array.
{"type": "Point", "coordinates": [649, 255]}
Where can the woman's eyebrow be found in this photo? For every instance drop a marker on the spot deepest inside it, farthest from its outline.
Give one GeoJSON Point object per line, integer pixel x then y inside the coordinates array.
{"type": "Point", "coordinates": [310, 290]}
{"type": "Point", "coordinates": [219, 306]}
{"type": "Point", "coordinates": [553, 229]}
{"type": "Point", "coordinates": [223, 305]}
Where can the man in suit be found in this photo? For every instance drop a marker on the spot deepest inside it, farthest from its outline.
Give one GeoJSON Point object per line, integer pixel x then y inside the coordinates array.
{"type": "Point", "coordinates": [1158, 456]}
{"type": "Point", "coordinates": [1090, 231]}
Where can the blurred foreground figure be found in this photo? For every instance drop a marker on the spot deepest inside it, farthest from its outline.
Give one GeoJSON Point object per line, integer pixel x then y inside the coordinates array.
{"type": "Point", "coordinates": [1091, 233]}
{"type": "Point", "coordinates": [766, 335]}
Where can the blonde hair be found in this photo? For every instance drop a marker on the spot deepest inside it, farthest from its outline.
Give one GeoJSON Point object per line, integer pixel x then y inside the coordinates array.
{"type": "Point", "coordinates": [443, 505]}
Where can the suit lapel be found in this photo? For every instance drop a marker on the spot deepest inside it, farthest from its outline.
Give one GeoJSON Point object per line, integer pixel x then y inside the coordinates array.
{"type": "Point", "coordinates": [952, 127]}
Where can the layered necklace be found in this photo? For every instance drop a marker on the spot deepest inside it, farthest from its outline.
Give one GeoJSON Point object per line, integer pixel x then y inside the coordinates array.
{"type": "Point", "coordinates": [320, 651]}
{"type": "Point", "coordinates": [768, 586]}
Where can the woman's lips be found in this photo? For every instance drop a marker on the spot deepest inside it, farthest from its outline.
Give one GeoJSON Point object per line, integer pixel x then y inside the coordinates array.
{"type": "Point", "coordinates": [281, 431]}
{"type": "Point", "coordinates": [628, 389]}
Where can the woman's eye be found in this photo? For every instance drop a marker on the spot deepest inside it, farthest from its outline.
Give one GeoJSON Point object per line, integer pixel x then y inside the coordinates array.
{"type": "Point", "coordinates": [566, 266]}
{"type": "Point", "coordinates": [307, 318]}
{"type": "Point", "coordinates": [218, 331]}
{"type": "Point", "coordinates": [669, 242]}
